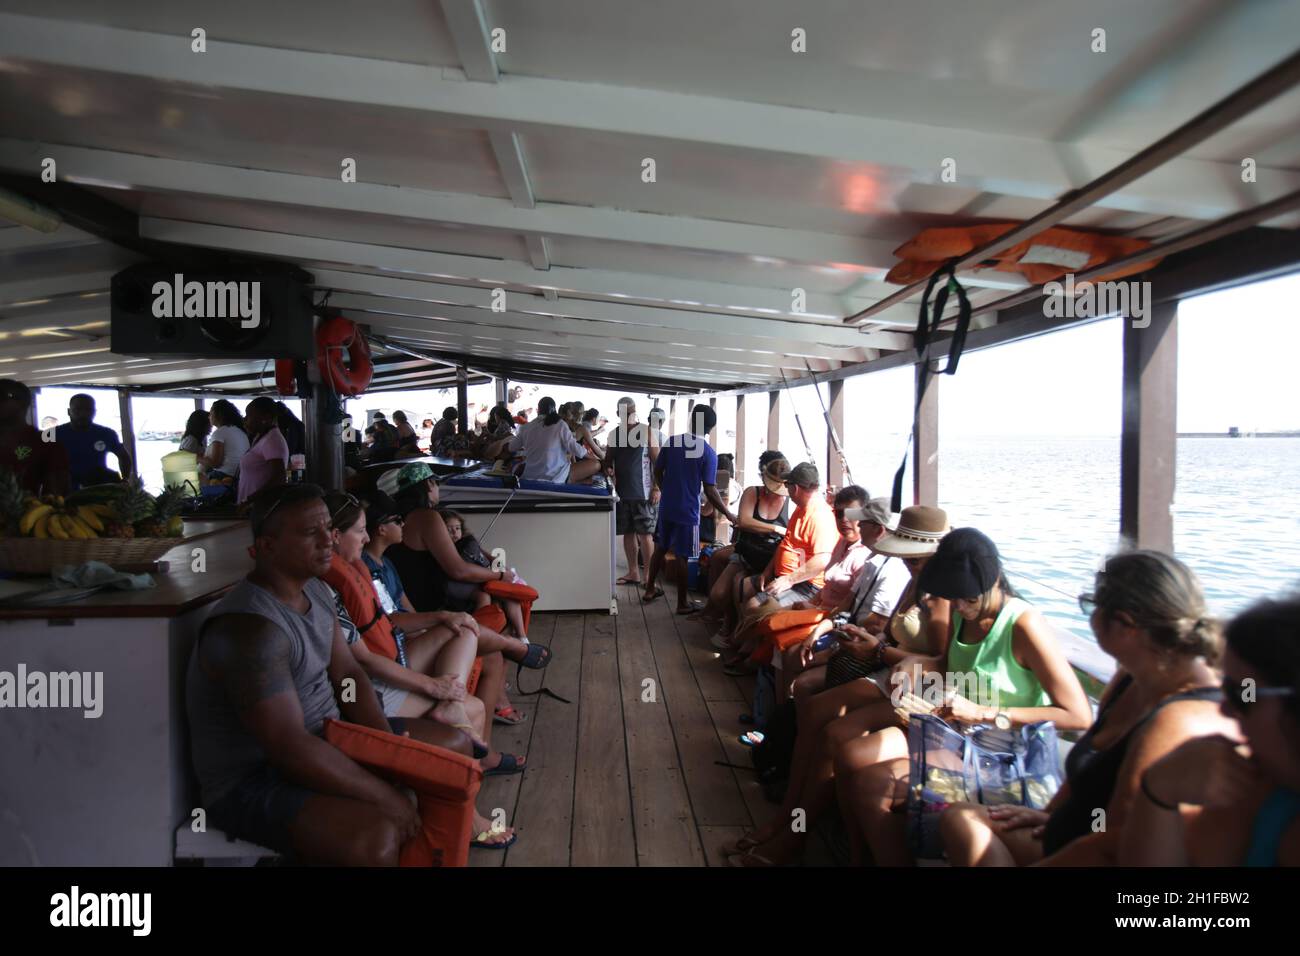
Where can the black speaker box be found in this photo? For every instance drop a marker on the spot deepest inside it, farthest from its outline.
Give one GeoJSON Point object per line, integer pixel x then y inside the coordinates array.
{"type": "Point", "coordinates": [254, 312]}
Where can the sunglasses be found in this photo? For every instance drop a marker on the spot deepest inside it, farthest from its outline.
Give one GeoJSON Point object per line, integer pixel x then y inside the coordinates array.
{"type": "Point", "coordinates": [1087, 604]}
{"type": "Point", "coordinates": [1234, 699]}
{"type": "Point", "coordinates": [349, 501]}
{"type": "Point", "coordinates": [393, 519]}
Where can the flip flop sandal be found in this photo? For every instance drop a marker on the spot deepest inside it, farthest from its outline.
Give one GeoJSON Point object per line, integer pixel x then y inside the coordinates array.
{"type": "Point", "coordinates": [693, 608]}
{"type": "Point", "coordinates": [626, 580]}
{"type": "Point", "coordinates": [749, 858]}
{"type": "Point", "coordinates": [741, 846]}
{"type": "Point", "coordinates": [508, 716]}
{"type": "Point", "coordinates": [537, 657]}
{"type": "Point", "coordinates": [659, 592]}
{"type": "Point", "coordinates": [751, 738]}
{"type": "Point", "coordinates": [509, 764]}
{"type": "Point", "coordinates": [481, 841]}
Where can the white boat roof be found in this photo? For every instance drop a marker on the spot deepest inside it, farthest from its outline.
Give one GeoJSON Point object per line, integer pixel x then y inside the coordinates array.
{"type": "Point", "coordinates": [522, 168]}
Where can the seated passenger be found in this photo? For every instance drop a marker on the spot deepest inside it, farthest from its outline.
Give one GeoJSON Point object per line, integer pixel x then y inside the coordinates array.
{"type": "Point", "coordinates": [269, 667]}
{"type": "Point", "coordinates": [997, 642]}
{"type": "Point", "coordinates": [893, 624]}
{"type": "Point", "coordinates": [420, 674]}
{"type": "Point", "coordinates": [427, 561]}
{"type": "Point", "coordinates": [467, 547]}
{"type": "Point", "coordinates": [848, 560]}
{"type": "Point", "coordinates": [1245, 785]}
{"type": "Point", "coordinates": [548, 446]}
{"type": "Point", "coordinates": [796, 571]}
{"type": "Point", "coordinates": [1147, 611]}
{"type": "Point", "coordinates": [761, 519]}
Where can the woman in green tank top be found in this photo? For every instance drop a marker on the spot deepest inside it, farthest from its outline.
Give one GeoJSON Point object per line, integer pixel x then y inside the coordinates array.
{"type": "Point", "coordinates": [1004, 667]}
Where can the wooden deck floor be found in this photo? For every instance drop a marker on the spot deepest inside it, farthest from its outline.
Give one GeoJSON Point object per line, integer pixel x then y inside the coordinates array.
{"type": "Point", "coordinates": [627, 774]}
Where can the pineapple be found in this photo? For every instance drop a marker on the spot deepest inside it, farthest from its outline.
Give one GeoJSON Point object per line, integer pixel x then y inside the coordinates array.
{"type": "Point", "coordinates": [136, 512]}
{"type": "Point", "coordinates": [168, 507]}
{"type": "Point", "coordinates": [13, 501]}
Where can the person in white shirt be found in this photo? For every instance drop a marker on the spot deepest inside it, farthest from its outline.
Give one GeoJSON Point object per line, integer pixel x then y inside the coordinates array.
{"type": "Point", "coordinates": [228, 443]}
{"type": "Point", "coordinates": [547, 445]}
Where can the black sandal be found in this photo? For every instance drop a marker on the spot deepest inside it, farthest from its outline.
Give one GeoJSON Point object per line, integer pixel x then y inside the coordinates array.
{"type": "Point", "coordinates": [537, 657]}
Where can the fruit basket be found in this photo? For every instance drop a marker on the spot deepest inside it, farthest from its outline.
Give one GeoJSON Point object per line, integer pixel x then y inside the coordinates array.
{"type": "Point", "coordinates": [120, 524]}
{"type": "Point", "coordinates": [42, 555]}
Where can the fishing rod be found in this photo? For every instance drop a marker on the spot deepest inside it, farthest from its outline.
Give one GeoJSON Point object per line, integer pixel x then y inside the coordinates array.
{"type": "Point", "coordinates": [793, 404]}
{"type": "Point", "coordinates": [830, 427]}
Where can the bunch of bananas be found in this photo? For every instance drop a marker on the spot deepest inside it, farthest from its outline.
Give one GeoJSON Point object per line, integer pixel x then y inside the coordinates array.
{"type": "Point", "coordinates": [51, 517]}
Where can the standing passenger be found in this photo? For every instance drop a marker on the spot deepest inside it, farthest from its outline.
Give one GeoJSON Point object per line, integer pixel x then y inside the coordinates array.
{"type": "Point", "coordinates": [685, 464]}
{"type": "Point", "coordinates": [87, 444]}
{"type": "Point", "coordinates": [633, 451]}
{"type": "Point", "coordinates": [265, 463]}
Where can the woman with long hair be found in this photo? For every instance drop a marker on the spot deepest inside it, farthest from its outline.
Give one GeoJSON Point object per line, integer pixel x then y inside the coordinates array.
{"type": "Point", "coordinates": [197, 428]}
{"type": "Point", "coordinates": [1147, 611]}
{"type": "Point", "coordinates": [228, 443]}
{"type": "Point", "coordinates": [427, 561]}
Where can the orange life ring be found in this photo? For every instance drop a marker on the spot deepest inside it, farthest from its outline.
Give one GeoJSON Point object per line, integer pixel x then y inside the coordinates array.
{"type": "Point", "coordinates": [335, 336]}
{"type": "Point", "coordinates": [285, 378]}
{"type": "Point", "coordinates": [1050, 254]}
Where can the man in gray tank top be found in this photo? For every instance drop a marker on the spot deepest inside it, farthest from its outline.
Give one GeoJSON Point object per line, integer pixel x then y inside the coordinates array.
{"type": "Point", "coordinates": [633, 450]}
{"type": "Point", "coordinates": [268, 670]}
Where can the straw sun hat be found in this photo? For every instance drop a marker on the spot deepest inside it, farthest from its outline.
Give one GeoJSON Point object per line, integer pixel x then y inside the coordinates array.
{"type": "Point", "coordinates": [917, 534]}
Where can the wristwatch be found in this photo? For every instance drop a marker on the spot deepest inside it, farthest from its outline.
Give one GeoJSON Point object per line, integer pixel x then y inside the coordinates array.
{"type": "Point", "coordinates": [1002, 721]}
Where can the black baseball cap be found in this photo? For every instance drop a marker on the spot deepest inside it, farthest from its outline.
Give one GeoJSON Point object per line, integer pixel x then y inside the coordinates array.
{"type": "Point", "coordinates": [966, 565]}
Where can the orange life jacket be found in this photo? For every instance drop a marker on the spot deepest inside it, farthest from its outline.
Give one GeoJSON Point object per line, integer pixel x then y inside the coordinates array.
{"type": "Point", "coordinates": [352, 581]}
{"type": "Point", "coordinates": [1047, 256]}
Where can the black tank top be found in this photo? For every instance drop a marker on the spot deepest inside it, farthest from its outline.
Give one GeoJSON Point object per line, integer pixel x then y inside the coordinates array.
{"type": "Point", "coordinates": [783, 519]}
{"type": "Point", "coordinates": [1092, 773]}
{"type": "Point", "coordinates": [423, 579]}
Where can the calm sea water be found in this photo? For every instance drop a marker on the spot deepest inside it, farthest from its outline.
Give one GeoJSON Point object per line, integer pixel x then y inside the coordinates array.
{"type": "Point", "coordinates": [1052, 506]}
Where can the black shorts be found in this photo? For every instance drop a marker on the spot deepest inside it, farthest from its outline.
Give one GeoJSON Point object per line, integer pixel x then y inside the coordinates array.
{"type": "Point", "coordinates": [263, 805]}
{"type": "Point", "coordinates": [634, 517]}
{"type": "Point", "coordinates": [461, 596]}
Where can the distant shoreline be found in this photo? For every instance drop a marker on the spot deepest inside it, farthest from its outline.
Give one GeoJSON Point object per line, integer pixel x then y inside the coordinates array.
{"type": "Point", "coordinates": [1295, 434]}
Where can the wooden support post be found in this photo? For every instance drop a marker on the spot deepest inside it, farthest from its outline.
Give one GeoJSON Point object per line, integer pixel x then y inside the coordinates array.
{"type": "Point", "coordinates": [741, 442]}
{"type": "Point", "coordinates": [198, 404]}
{"type": "Point", "coordinates": [670, 424]}
{"type": "Point", "coordinates": [1148, 442]}
{"type": "Point", "coordinates": [128, 427]}
{"type": "Point", "coordinates": [773, 420]}
{"type": "Point", "coordinates": [503, 390]}
{"type": "Point", "coordinates": [713, 432]}
{"type": "Point", "coordinates": [324, 441]}
{"type": "Point", "coordinates": [462, 398]}
{"type": "Point", "coordinates": [925, 451]}
{"type": "Point", "coordinates": [836, 477]}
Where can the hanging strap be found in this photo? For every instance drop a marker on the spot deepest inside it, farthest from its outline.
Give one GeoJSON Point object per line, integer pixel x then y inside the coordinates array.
{"type": "Point", "coordinates": [926, 326]}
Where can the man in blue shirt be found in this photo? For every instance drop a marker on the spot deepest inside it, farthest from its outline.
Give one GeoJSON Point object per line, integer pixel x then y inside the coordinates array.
{"type": "Point", "coordinates": [686, 464]}
{"type": "Point", "coordinates": [87, 444]}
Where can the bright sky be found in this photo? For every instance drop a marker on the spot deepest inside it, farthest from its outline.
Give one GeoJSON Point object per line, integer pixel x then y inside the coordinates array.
{"type": "Point", "coordinates": [1237, 352]}
{"type": "Point", "coordinates": [1236, 356]}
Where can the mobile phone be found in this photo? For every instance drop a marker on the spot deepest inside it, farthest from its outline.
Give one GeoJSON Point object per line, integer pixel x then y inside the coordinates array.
{"type": "Point", "coordinates": [828, 640]}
